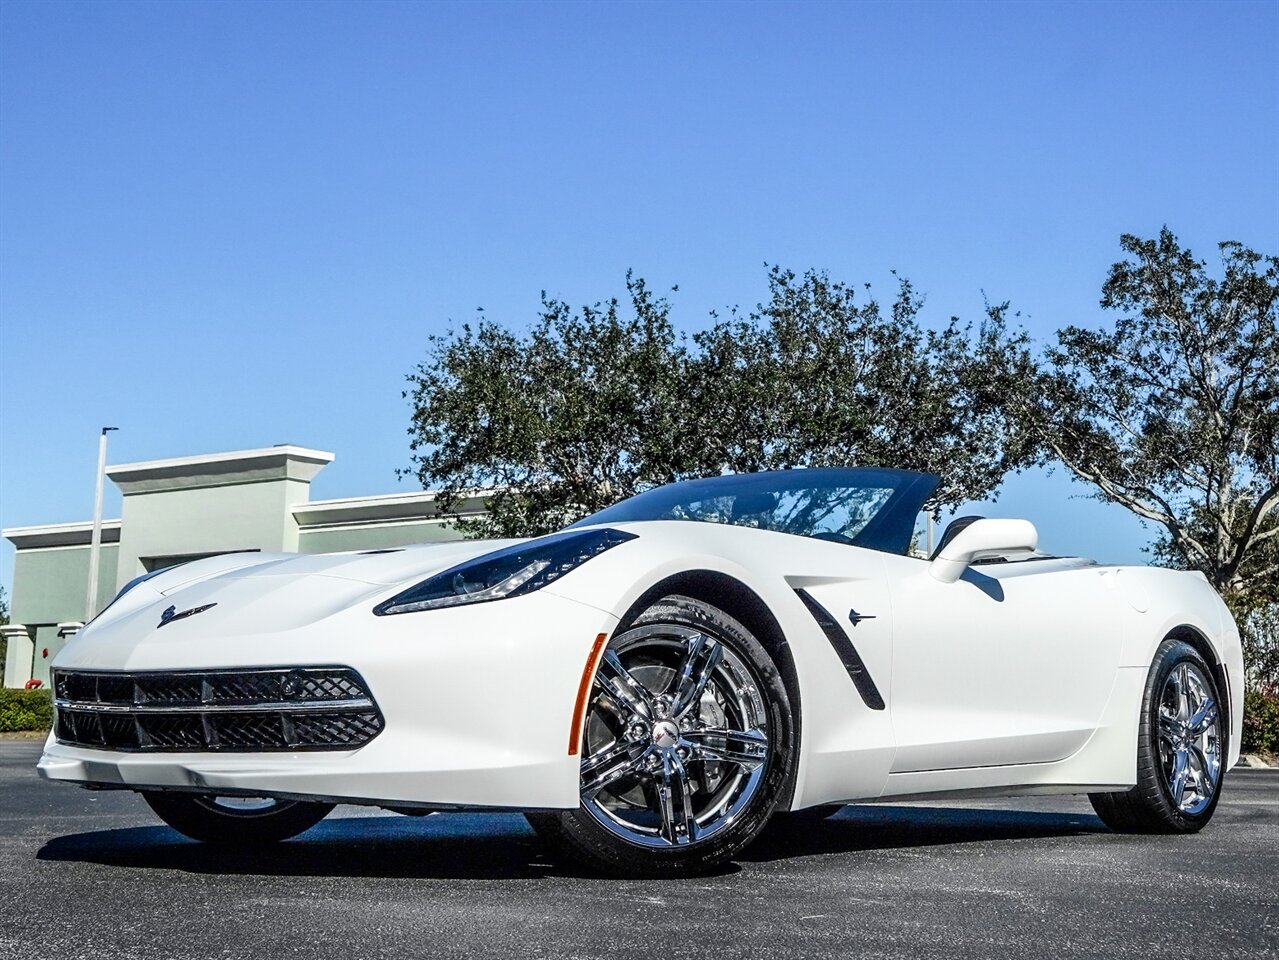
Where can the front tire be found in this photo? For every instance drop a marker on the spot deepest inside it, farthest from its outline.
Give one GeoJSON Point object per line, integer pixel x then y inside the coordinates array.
{"type": "Point", "coordinates": [1181, 749]}
{"type": "Point", "coordinates": [231, 821]}
{"type": "Point", "coordinates": [687, 744]}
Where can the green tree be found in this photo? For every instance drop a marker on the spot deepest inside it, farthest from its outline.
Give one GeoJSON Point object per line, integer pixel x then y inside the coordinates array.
{"type": "Point", "coordinates": [573, 415]}
{"type": "Point", "coordinates": [592, 405]}
{"type": "Point", "coordinates": [823, 375]}
{"type": "Point", "coordinates": [1174, 412]}
{"type": "Point", "coordinates": [1258, 622]}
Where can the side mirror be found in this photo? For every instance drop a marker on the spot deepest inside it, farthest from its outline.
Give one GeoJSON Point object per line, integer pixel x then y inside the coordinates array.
{"type": "Point", "coordinates": [984, 538]}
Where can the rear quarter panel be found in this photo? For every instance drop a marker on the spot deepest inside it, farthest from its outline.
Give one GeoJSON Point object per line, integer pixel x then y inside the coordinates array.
{"type": "Point", "coordinates": [1158, 602]}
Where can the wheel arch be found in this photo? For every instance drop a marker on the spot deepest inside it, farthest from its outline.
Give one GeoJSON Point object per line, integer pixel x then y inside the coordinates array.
{"type": "Point", "coordinates": [746, 606]}
{"type": "Point", "coordinates": [1198, 640]}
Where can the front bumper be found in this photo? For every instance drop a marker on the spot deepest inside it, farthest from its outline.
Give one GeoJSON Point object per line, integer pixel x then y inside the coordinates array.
{"type": "Point", "coordinates": [478, 704]}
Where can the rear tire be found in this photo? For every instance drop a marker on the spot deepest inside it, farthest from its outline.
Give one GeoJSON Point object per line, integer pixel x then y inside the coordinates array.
{"type": "Point", "coordinates": [688, 742]}
{"type": "Point", "coordinates": [1181, 749]}
{"type": "Point", "coordinates": [222, 820]}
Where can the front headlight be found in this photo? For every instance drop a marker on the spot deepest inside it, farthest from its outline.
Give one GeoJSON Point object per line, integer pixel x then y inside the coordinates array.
{"type": "Point", "coordinates": [510, 572]}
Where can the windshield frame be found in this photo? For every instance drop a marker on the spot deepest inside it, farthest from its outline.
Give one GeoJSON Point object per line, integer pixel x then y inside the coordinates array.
{"type": "Point", "coordinates": [889, 530]}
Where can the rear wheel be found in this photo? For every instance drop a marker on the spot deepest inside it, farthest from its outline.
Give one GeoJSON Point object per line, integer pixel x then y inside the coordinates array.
{"type": "Point", "coordinates": [687, 743]}
{"type": "Point", "coordinates": [1181, 749]}
{"type": "Point", "coordinates": [235, 820]}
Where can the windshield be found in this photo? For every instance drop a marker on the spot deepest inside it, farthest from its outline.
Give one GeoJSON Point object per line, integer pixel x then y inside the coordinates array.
{"type": "Point", "coordinates": [862, 506]}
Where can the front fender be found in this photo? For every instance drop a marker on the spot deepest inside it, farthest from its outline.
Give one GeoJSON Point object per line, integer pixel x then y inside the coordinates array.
{"type": "Point", "coordinates": [845, 750]}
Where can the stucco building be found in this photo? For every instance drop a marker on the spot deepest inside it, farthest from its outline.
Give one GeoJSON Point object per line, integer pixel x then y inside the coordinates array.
{"type": "Point", "coordinates": [192, 507]}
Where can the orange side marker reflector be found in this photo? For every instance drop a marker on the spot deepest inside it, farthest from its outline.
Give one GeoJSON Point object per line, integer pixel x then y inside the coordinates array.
{"type": "Point", "coordinates": [583, 691]}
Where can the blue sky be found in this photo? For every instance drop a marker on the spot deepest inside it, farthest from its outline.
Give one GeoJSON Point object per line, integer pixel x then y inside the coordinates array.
{"type": "Point", "coordinates": [229, 225]}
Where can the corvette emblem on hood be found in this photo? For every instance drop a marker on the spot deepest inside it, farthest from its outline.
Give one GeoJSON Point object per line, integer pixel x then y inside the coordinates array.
{"type": "Point", "coordinates": [172, 613]}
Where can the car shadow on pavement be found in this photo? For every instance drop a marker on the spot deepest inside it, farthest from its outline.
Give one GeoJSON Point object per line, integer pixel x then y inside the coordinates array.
{"type": "Point", "coordinates": [869, 827]}
{"type": "Point", "coordinates": [502, 846]}
{"type": "Point", "coordinates": [441, 846]}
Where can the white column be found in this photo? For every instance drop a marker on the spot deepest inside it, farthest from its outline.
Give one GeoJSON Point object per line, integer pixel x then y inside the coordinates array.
{"type": "Point", "coordinates": [69, 629]}
{"type": "Point", "coordinates": [19, 649]}
{"type": "Point", "coordinates": [95, 542]}
{"type": "Point", "coordinates": [44, 655]}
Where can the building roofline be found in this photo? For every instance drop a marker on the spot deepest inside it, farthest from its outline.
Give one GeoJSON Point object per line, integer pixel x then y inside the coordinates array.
{"type": "Point", "coordinates": [75, 534]}
{"type": "Point", "coordinates": [258, 453]}
{"type": "Point", "coordinates": [383, 508]}
{"type": "Point", "coordinates": [282, 462]}
{"type": "Point", "coordinates": [416, 496]}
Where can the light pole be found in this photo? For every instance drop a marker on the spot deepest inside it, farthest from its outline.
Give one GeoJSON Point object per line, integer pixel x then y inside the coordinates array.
{"type": "Point", "coordinates": [95, 545]}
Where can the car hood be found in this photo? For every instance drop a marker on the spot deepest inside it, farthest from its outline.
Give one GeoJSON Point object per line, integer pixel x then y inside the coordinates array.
{"type": "Point", "coordinates": [254, 594]}
{"type": "Point", "coordinates": [376, 567]}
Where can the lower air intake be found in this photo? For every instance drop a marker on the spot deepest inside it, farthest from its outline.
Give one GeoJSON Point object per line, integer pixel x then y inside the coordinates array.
{"type": "Point", "coordinates": [301, 708]}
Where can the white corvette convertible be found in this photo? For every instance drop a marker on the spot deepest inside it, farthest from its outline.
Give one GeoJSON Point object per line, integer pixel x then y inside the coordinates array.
{"type": "Point", "coordinates": [651, 684]}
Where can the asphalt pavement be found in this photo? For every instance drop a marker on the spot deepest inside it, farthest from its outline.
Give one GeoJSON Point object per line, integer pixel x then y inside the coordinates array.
{"type": "Point", "coordinates": [85, 874]}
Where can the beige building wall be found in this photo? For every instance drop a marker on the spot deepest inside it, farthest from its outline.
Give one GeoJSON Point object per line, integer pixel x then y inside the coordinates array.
{"type": "Point", "coordinates": [198, 506]}
{"type": "Point", "coordinates": [50, 581]}
{"type": "Point", "coordinates": [190, 507]}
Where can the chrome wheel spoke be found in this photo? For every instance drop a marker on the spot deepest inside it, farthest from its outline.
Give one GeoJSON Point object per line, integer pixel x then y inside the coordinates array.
{"type": "Point", "coordinates": [704, 655]}
{"type": "Point", "coordinates": [1206, 769]}
{"type": "Point", "coordinates": [1183, 693]}
{"type": "Point", "coordinates": [1170, 730]}
{"type": "Point", "coordinates": [1203, 718]}
{"type": "Point", "coordinates": [1180, 772]}
{"type": "Point", "coordinates": [746, 748]}
{"type": "Point", "coordinates": [607, 766]}
{"type": "Point", "coordinates": [675, 800]}
{"type": "Point", "coordinates": [616, 681]}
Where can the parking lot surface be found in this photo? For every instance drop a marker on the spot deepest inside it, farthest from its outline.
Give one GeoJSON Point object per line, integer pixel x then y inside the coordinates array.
{"type": "Point", "coordinates": [85, 874]}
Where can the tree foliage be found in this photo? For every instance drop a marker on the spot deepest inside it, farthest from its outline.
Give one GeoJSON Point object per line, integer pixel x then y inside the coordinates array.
{"type": "Point", "coordinates": [1174, 413]}
{"type": "Point", "coordinates": [565, 419]}
{"type": "Point", "coordinates": [1258, 622]}
{"type": "Point", "coordinates": [592, 405]}
{"type": "Point", "coordinates": [823, 375]}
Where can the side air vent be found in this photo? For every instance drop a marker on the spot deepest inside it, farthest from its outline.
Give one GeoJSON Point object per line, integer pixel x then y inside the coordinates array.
{"type": "Point", "coordinates": [845, 650]}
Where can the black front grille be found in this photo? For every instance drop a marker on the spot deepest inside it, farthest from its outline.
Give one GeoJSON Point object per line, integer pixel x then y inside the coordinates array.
{"type": "Point", "coordinates": [307, 708]}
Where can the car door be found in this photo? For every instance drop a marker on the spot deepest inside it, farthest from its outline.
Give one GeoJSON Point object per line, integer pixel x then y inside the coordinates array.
{"type": "Point", "coordinates": [1011, 664]}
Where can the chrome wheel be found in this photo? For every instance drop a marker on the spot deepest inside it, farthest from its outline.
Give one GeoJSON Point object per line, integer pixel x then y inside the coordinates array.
{"type": "Point", "coordinates": [235, 820]}
{"type": "Point", "coordinates": [677, 737]}
{"type": "Point", "coordinates": [244, 805]}
{"type": "Point", "coordinates": [1189, 738]}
